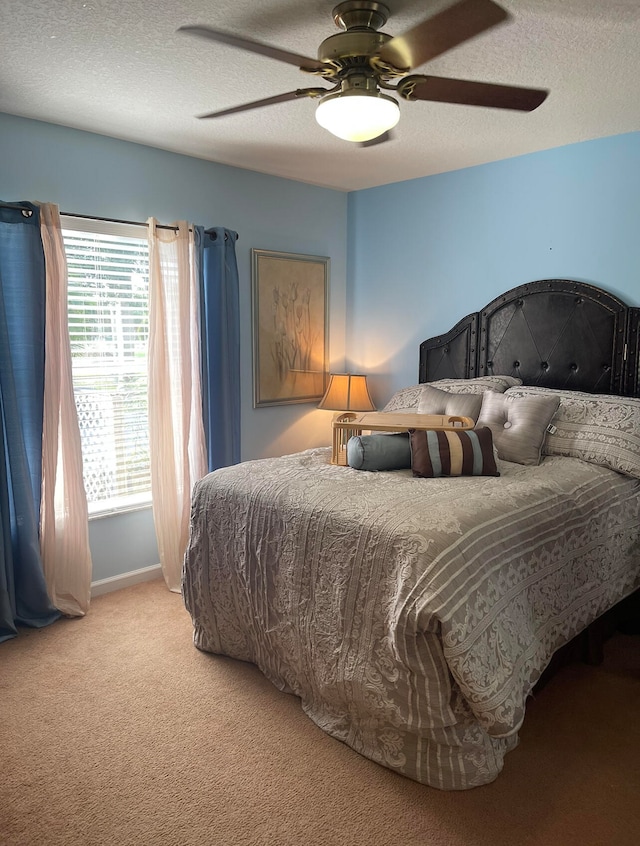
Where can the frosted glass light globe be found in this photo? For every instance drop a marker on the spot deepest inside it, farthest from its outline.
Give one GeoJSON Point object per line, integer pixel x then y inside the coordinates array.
{"type": "Point", "coordinates": [357, 116]}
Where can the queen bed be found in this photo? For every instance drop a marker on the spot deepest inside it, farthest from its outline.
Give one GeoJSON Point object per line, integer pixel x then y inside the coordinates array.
{"type": "Point", "coordinates": [414, 615]}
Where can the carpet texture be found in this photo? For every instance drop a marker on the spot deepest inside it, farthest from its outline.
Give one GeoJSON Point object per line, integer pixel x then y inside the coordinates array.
{"type": "Point", "coordinates": [115, 730]}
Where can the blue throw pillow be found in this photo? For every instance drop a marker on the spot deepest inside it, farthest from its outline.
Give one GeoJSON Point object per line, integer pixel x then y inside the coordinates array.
{"type": "Point", "coordinates": [379, 452]}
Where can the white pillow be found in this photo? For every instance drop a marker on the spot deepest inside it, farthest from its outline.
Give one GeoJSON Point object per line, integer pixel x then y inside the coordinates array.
{"type": "Point", "coordinates": [518, 424]}
{"type": "Point", "coordinates": [436, 401]}
{"type": "Point", "coordinates": [478, 385]}
{"type": "Point", "coordinates": [405, 399]}
{"type": "Point", "coordinates": [602, 429]}
{"type": "Point", "coordinates": [408, 399]}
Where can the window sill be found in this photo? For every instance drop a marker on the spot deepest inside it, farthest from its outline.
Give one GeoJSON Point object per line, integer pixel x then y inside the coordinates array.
{"type": "Point", "coordinates": [112, 511]}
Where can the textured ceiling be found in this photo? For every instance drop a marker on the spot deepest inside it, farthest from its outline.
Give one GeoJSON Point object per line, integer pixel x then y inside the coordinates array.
{"type": "Point", "coordinates": [119, 68]}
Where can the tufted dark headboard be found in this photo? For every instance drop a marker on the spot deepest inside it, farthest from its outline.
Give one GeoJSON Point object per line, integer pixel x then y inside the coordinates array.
{"type": "Point", "coordinates": [556, 333]}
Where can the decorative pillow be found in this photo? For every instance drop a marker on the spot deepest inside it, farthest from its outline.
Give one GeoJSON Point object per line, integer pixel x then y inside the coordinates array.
{"type": "Point", "coordinates": [379, 452]}
{"type": "Point", "coordinates": [518, 424]}
{"type": "Point", "coordinates": [602, 429]}
{"type": "Point", "coordinates": [405, 399]}
{"type": "Point", "coordinates": [408, 399]}
{"type": "Point", "coordinates": [435, 401]}
{"type": "Point", "coordinates": [450, 453]}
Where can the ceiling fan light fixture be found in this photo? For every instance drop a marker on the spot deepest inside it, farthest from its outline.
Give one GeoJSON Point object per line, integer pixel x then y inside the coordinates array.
{"type": "Point", "coordinates": [358, 115]}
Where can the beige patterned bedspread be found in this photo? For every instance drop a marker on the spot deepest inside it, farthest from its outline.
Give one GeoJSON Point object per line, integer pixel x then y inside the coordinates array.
{"type": "Point", "coordinates": [411, 616]}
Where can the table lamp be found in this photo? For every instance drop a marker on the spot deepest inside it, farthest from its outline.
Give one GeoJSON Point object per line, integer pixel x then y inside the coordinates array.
{"type": "Point", "coordinates": [346, 393]}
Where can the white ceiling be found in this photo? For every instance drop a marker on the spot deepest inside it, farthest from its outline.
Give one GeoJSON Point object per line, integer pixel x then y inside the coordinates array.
{"type": "Point", "coordinates": [118, 68]}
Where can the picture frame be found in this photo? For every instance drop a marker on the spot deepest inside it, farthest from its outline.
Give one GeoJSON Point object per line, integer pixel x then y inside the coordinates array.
{"type": "Point", "coordinates": [290, 308]}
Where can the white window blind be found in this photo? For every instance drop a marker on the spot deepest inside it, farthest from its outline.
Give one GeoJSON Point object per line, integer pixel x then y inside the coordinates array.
{"type": "Point", "coordinates": [108, 271]}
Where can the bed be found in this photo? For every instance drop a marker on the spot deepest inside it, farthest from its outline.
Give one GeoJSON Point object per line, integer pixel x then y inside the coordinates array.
{"type": "Point", "coordinates": [413, 616]}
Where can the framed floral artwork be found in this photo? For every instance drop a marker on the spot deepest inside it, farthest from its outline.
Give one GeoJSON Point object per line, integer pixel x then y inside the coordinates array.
{"type": "Point", "coordinates": [290, 303]}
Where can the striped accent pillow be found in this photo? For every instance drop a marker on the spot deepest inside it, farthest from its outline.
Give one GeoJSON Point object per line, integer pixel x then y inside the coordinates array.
{"type": "Point", "coordinates": [435, 452]}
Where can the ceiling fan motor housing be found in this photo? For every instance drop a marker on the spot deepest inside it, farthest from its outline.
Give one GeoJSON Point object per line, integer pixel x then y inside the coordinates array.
{"type": "Point", "coordinates": [360, 14]}
{"type": "Point", "coordinates": [345, 46]}
{"type": "Point", "coordinates": [360, 19]}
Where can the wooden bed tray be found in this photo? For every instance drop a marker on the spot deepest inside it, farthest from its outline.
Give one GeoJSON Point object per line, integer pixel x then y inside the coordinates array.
{"type": "Point", "coordinates": [348, 425]}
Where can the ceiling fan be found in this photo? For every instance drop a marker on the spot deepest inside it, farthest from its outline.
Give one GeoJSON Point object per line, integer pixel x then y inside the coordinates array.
{"type": "Point", "coordinates": [361, 60]}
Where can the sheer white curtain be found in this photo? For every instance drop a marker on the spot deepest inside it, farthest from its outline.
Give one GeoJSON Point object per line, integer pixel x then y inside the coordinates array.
{"type": "Point", "coordinates": [176, 431]}
{"type": "Point", "coordinates": [64, 526]}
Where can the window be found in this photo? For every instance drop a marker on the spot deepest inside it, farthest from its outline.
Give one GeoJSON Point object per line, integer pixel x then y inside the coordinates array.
{"type": "Point", "coordinates": [108, 269]}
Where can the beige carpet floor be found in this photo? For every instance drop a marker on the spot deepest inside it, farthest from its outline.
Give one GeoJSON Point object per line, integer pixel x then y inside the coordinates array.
{"type": "Point", "coordinates": [114, 729]}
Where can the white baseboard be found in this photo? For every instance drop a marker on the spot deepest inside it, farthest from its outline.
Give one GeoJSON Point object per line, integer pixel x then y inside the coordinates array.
{"type": "Point", "coordinates": [145, 574]}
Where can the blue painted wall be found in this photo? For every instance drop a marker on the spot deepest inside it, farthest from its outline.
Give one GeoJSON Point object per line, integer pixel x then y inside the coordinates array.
{"type": "Point", "coordinates": [422, 253]}
{"type": "Point", "coordinates": [426, 252]}
{"type": "Point", "coordinates": [91, 174]}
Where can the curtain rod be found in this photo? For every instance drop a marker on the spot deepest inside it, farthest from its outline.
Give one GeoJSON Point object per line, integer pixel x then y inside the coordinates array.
{"type": "Point", "coordinates": [116, 220]}
{"type": "Point", "coordinates": [127, 222]}
{"type": "Point", "coordinates": [29, 212]}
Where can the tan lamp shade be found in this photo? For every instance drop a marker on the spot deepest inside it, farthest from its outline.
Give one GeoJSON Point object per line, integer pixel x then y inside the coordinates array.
{"type": "Point", "coordinates": [347, 392]}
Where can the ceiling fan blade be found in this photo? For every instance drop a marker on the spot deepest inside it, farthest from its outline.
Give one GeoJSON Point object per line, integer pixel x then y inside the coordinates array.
{"type": "Point", "coordinates": [303, 62]}
{"type": "Point", "coordinates": [468, 93]}
{"type": "Point", "coordinates": [270, 101]}
{"type": "Point", "coordinates": [441, 32]}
